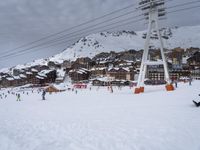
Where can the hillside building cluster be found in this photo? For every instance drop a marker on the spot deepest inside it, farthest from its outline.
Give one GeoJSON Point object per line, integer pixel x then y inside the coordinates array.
{"type": "Point", "coordinates": [107, 68]}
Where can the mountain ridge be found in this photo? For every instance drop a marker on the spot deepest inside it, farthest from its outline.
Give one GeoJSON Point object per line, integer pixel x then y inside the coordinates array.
{"type": "Point", "coordinates": [89, 46]}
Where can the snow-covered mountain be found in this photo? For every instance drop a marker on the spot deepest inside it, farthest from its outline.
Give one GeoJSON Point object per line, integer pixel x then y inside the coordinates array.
{"type": "Point", "coordinates": [184, 37]}
{"type": "Point", "coordinates": [89, 46]}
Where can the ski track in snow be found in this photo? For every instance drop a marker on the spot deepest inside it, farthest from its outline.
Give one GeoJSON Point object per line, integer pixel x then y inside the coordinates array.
{"type": "Point", "coordinates": [99, 120]}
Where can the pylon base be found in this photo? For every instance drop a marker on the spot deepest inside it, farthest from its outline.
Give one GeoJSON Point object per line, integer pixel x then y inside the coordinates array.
{"type": "Point", "coordinates": [169, 87]}
{"type": "Point", "coordinates": [139, 90]}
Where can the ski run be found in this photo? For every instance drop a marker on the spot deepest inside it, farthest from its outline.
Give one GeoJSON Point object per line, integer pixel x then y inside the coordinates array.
{"type": "Point", "coordinates": [96, 119]}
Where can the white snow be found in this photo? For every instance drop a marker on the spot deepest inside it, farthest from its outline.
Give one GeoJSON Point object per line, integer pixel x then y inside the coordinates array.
{"type": "Point", "coordinates": [39, 77]}
{"type": "Point", "coordinates": [10, 78]}
{"type": "Point", "coordinates": [100, 120]}
{"type": "Point", "coordinates": [44, 73]}
{"type": "Point", "coordinates": [22, 76]}
{"type": "Point", "coordinates": [34, 70]}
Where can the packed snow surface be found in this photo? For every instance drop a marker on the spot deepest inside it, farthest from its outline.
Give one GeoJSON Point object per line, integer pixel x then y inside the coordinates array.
{"type": "Point", "coordinates": [99, 120]}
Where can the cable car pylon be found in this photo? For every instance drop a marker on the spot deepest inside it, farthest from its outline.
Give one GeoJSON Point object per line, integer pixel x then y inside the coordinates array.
{"type": "Point", "coordinates": [153, 10]}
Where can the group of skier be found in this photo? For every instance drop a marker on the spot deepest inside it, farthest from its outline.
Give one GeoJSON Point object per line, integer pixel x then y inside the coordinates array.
{"type": "Point", "coordinates": [18, 95]}
{"type": "Point", "coordinates": [176, 82]}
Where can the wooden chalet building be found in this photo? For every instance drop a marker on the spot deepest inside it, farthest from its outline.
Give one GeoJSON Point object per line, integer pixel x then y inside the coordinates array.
{"type": "Point", "coordinates": [121, 73]}
{"type": "Point", "coordinates": [94, 72]}
{"type": "Point", "coordinates": [123, 63]}
{"type": "Point", "coordinates": [48, 75]}
{"type": "Point", "coordinates": [107, 81]}
{"type": "Point", "coordinates": [54, 65]}
{"type": "Point", "coordinates": [66, 64]}
{"type": "Point", "coordinates": [29, 76]}
{"type": "Point", "coordinates": [195, 73]}
{"type": "Point", "coordinates": [7, 81]}
{"type": "Point", "coordinates": [177, 58]}
{"type": "Point", "coordinates": [79, 74]}
{"type": "Point", "coordinates": [84, 62]}
{"type": "Point", "coordinates": [194, 60]}
{"type": "Point", "coordinates": [156, 73]}
{"type": "Point", "coordinates": [103, 63]}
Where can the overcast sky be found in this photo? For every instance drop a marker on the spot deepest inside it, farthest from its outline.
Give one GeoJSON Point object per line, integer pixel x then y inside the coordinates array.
{"type": "Point", "coordinates": [23, 21]}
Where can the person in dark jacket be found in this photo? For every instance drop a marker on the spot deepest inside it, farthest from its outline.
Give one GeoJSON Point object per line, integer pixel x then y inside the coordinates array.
{"type": "Point", "coordinates": [190, 81]}
{"type": "Point", "coordinates": [18, 97]}
{"type": "Point", "coordinates": [43, 94]}
{"type": "Point", "coordinates": [176, 84]}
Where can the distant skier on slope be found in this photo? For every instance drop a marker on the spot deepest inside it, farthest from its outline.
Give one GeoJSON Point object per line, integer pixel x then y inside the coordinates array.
{"type": "Point", "coordinates": [43, 94]}
{"type": "Point", "coordinates": [190, 81]}
{"type": "Point", "coordinates": [18, 97]}
{"type": "Point", "coordinates": [176, 83]}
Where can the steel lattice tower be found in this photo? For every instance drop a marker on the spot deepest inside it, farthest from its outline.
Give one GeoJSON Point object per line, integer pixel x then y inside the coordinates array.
{"type": "Point", "coordinates": [153, 10]}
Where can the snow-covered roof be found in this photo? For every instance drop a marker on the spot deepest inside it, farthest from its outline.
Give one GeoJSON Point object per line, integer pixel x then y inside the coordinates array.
{"type": "Point", "coordinates": [10, 78]}
{"type": "Point", "coordinates": [116, 68]}
{"type": "Point", "coordinates": [99, 68]}
{"type": "Point", "coordinates": [44, 73]}
{"type": "Point", "coordinates": [16, 77]}
{"type": "Point", "coordinates": [29, 73]}
{"type": "Point", "coordinates": [22, 76]}
{"type": "Point", "coordinates": [60, 72]}
{"type": "Point", "coordinates": [79, 71]}
{"type": "Point", "coordinates": [103, 62]}
{"type": "Point", "coordinates": [39, 77]}
{"type": "Point", "coordinates": [34, 70]}
{"type": "Point", "coordinates": [84, 69]}
{"type": "Point", "coordinates": [61, 86]}
{"type": "Point", "coordinates": [104, 79]}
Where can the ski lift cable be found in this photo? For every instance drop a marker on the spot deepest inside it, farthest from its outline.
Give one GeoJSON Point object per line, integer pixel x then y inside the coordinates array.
{"type": "Point", "coordinates": [61, 42]}
{"type": "Point", "coordinates": [92, 28]}
{"type": "Point", "coordinates": [183, 9]}
{"type": "Point", "coordinates": [73, 27]}
{"type": "Point", "coordinates": [78, 31]}
{"type": "Point", "coordinates": [90, 21]}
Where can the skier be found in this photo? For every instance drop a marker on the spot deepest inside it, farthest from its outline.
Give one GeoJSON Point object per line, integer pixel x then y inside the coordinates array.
{"type": "Point", "coordinates": [108, 88]}
{"type": "Point", "coordinates": [18, 97]}
{"type": "Point", "coordinates": [176, 84]}
{"type": "Point", "coordinates": [43, 94]}
{"type": "Point", "coordinates": [190, 81]}
{"type": "Point", "coordinates": [111, 89]}
{"type": "Point", "coordinates": [76, 91]}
